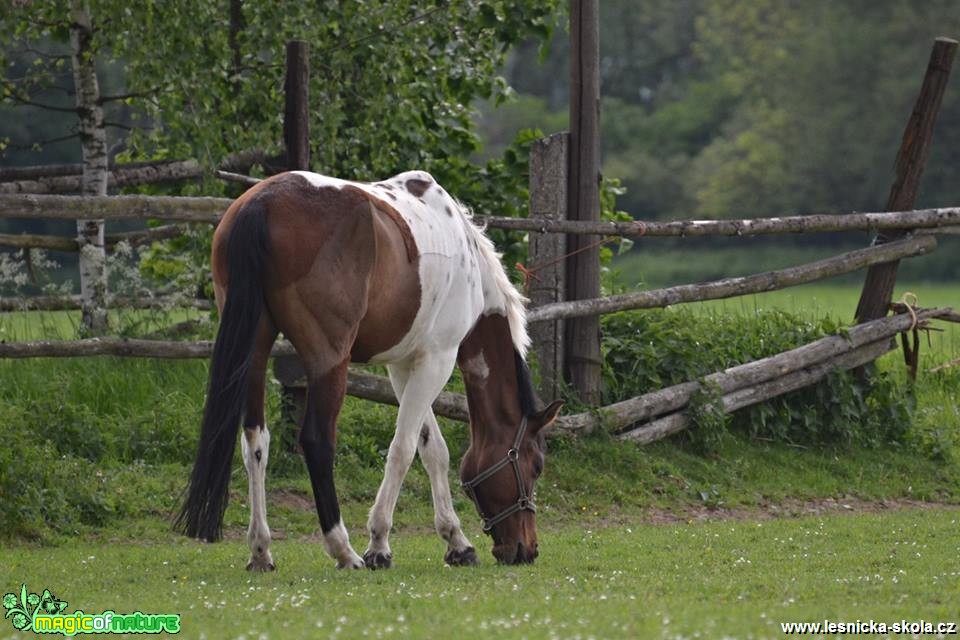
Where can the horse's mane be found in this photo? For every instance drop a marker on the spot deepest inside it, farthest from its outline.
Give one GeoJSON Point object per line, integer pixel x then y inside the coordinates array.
{"type": "Point", "coordinates": [506, 296]}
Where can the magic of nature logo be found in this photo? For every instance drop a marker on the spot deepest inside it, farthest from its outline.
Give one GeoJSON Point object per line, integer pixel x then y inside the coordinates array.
{"type": "Point", "coordinates": [44, 613]}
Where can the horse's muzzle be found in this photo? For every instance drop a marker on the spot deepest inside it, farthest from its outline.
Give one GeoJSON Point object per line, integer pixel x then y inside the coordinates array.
{"type": "Point", "coordinates": [520, 554]}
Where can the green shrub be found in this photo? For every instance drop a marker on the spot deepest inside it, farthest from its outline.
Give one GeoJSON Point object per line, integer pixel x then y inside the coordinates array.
{"type": "Point", "coordinates": [43, 492]}
{"type": "Point", "coordinates": [649, 350]}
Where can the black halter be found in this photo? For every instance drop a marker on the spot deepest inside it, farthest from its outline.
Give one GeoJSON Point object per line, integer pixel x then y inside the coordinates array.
{"type": "Point", "coordinates": [523, 503]}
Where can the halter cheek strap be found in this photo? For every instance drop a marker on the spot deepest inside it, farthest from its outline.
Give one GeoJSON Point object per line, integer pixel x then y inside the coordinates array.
{"type": "Point", "coordinates": [523, 503]}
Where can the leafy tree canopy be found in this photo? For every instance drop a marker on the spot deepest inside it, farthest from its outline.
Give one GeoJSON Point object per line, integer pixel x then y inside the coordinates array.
{"type": "Point", "coordinates": [392, 82]}
{"type": "Point", "coordinates": [729, 108]}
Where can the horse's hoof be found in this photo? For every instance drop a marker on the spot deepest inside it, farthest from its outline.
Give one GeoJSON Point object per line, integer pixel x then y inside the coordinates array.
{"type": "Point", "coordinates": [261, 565]}
{"type": "Point", "coordinates": [461, 557]}
{"type": "Point", "coordinates": [355, 562]}
{"type": "Point", "coordinates": [377, 560]}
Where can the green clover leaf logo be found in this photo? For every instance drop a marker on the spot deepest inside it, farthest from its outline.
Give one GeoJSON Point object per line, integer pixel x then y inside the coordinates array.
{"type": "Point", "coordinates": [27, 606]}
{"type": "Point", "coordinates": [20, 621]}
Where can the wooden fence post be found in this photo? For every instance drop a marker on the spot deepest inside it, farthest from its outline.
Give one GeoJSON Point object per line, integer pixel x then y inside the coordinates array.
{"type": "Point", "coordinates": [296, 112]}
{"type": "Point", "coordinates": [296, 138]}
{"type": "Point", "coordinates": [911, 160]}
{"type": "Point", "coordinates": [582, 335]}
{"type": "Point", "coordinates": [548, 201]}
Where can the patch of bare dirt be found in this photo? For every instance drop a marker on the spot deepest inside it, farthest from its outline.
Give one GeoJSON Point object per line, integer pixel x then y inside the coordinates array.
{"type": "Point", "coordinates": [786, 508]}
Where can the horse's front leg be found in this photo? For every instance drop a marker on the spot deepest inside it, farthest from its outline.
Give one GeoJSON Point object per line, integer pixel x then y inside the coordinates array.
{"type": "Point", "coordinates": [436, 459]}
{"type": "Point", "coordinates": [424, 380]}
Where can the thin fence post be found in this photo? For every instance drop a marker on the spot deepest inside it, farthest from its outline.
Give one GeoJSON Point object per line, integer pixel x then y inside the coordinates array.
{"type": "Point", "coordinates": [911, 160]}
{"type": "Point", "coordinates": [548, 201]}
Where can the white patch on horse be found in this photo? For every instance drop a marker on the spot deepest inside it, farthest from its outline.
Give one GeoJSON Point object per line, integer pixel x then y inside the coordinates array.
{"type": "Point", "coordinates": [255, 446]}
{"type": "Point", "coordinates": [337, 543]}
{"type": "Point", "coordinates": [476, 367]}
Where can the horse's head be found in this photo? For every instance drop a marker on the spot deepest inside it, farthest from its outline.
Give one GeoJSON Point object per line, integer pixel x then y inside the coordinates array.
{"type": "Point", "coordinates": [499, 474]}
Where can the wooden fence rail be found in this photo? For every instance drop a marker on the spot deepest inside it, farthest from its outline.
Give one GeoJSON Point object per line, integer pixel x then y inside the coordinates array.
{"type": "Point", "coordinates": [826, 223]}
{"type": "Point", "coordinates": [70, 245]}
{"type": "Point", "coordinates": [208, 210]}
{"type": "Point", "coordinates": [730, 287]}
{"type": "Point", "coordinates": [359, 384]}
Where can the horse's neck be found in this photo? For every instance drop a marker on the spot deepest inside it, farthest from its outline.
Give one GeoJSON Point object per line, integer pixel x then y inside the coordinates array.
{"type": "Point", "coordinates": [486, 359]}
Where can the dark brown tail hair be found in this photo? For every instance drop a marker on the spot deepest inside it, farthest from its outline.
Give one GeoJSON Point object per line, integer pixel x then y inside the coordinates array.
{"type": "Point", "coordinates": [247, 253]}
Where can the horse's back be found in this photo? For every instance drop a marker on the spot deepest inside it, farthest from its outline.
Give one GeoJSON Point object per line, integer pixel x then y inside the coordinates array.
{"type": "Point", "coordinates": [382, 271]}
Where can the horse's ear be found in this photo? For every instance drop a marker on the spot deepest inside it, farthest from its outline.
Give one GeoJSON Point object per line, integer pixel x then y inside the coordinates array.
{"type": "Point", "coordinates": [543, 419]}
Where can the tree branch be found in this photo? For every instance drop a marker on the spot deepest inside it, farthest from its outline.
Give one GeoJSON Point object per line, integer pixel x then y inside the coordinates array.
{"type": "Point", "coordinates": [127, 96]}
{"type": "Point", "coordinates": [41, 105]}
{"type": "Point", "coordinates": [43, 54]}
{"type": "Point", "coordinates": [42, 143]}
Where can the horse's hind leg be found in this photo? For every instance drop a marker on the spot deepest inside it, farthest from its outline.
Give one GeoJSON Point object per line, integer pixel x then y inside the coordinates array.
{"type": "Point", "coordinates": [318, 439]}
{"type": "Point", "coordinates": [436, 459]}
{"type": "Point", "coordinates": [255, 445]}
{"type": "Point", "coordinates": [424, 381]}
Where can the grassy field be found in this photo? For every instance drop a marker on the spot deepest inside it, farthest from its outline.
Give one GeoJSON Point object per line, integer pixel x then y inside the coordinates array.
{"type": "Point", "coordinates": [718, 579]}
{"type": "Point", "coordinates": [659, 541]}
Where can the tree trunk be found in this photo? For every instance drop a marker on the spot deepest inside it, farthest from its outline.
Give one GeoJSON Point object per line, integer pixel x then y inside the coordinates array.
{"type": "Point", "coordinates": [93, 136]}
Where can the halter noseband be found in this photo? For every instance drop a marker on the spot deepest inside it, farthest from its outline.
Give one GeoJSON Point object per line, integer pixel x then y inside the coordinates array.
{"type": "Point", "coordinates": [523, 503]}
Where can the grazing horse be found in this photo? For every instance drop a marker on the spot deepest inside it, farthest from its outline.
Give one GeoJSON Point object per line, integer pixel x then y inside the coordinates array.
{"type": "Point", "coordinates": [391, 272]}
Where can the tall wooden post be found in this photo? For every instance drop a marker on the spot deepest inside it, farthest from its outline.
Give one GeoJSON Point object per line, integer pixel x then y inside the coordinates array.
{"type": "Point", "coordinates": [296, 138]}
{"type": "Point", "coordinates": [548, 201]}
{"type": "Point", "coordinates": [911, 160]}
{"type": "Point", "coordinates": [296, 112]}
{"type": "Point", "coordinates": [582, 335]}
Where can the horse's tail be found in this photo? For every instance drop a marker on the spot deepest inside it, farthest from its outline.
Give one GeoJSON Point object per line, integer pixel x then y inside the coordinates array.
{"type": "Point", "coordinates": [247, 252]}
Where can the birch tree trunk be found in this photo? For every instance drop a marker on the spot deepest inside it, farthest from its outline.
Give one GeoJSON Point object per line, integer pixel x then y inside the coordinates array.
{"type": "Point", "coordinates": [93, 136]}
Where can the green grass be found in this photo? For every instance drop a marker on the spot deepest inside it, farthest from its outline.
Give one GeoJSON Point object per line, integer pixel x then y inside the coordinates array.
{"type": "Point", "coordinates": [659, 262]}
{"type": "Point", "coordinates": [725, 578]}
{"type": "Point", "coordinates": [65, 325]}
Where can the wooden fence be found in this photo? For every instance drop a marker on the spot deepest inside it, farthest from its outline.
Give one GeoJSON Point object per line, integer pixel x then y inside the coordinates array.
{"type": "Point", "coordinates": [660, 413]}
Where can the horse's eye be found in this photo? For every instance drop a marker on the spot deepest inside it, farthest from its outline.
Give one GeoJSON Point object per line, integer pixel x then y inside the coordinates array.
{"type": "Point", "coordinates": [537, 468]}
